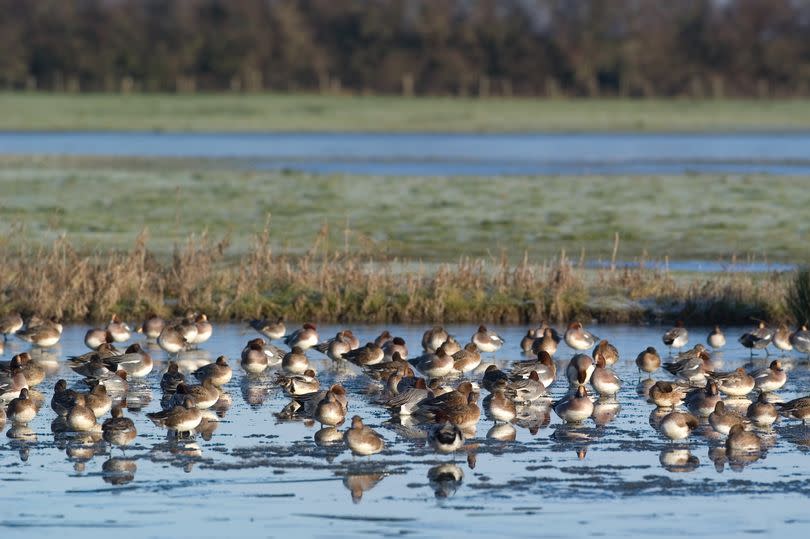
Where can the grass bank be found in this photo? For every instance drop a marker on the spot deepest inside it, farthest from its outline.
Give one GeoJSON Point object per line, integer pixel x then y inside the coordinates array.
{"type": "Point", "coordinates": [335, 286]}
{"type": "Point", "coordinates": [102, 204]}
{"type": "Point", "coordinates": [282, 112]}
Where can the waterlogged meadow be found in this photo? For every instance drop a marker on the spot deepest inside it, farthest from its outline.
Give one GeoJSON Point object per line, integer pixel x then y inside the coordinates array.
{"type": "Point", "coordinates": [250, 470]}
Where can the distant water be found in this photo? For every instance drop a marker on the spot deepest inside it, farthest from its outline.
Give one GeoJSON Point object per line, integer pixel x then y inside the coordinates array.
{"type": "Point", "coordinates": [424, 154]}
{"type": "Point", "coordinates": [614, 475]}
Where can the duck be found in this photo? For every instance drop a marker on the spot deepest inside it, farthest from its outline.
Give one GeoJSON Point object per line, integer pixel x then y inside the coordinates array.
{"type": "Point", "coordinates": [96, 337]}
{"type": "Point", "coordinates": [299, 384]}
{"type": "Point", "coordinates": [22, 409]}
{"type": "Point", "coordinates": [692, 365]}
{"type": "Point", "coordinates": [118, 430]}
{"type": "Point", "coordinates": [578, 337]}
{"type": "Point", "coordinates": [761, 412]}
{"type": "Point", "coordinates": [152, 326]}
{"type": "Point", "coordinates": [544, 367]}
{"type": "Point", "coordinates": [607, 351]}
{"type": "Point", "coordinates": [716, 338]}
{"type": "Point", "coordinates": [525, 390]}
{"type": "Point", "coordinates": [22, 363]}
{"type": "Point", "coordinates": [395, 346]}
{"type": "Point", "coordinates": [757, 339]}
{"type": "Point", "coordinates": [136, 361]}
{"type": "Point", "coordinates": [219, 372]}
{"type": "Point", "coordinates": [172, 378]}
{"type": "Point", "coordinates": [771, 379]}
{"type": "Point", "coordinates": [434, 338]}
{"type": "Point", "coordinates": [456, 398]}
{"type": "Point", "coordinates": [434, 365]}
{"type": "Point", "coordinates": [254, 360]}
{"type": "Point", "coordinates": [499, 407]}
{"type": "Point", "coordinates": [11, 385]}
{"type": "Point", "coordinates": [205, 395]}
{"type": "Point", "coordinates": [384, 370]}
{"type": "Point", "coordinates": [363, 440]}
{"type": "Point", "coordinates": [451, 346]}
{"type": "Point", "coordinates": [603, 380]}
{"type": "Point", "coordinates": [335, 348]}
{"type": "Point", "coordinates": [370, 354]}
{"type": "Point", "coordinates": [81, 418]}
{"type": "Point", "coordinates": [797, 408]}
{"type": "Point", "coordinates": [44, 334]}
{"type": "Point", "coordinates": [119, 330]}
{"type": "Point", "coordinates": [800, 339]}
{"type": "Point", "coordinates": [676, 337]}
{"type": "Point", "coordinates": [494, 378]}
{"type": "Point", "coordinates": [527, 341]}
{"type": "Point", "coordinates": [678, 425]}
{"type": "Point", "coordinates": [272, 330]}
{"type": "Point", "coordinates": [172, 340]}
{"type": "Point", "coordinates": [98, 400]}
{"type": "Point", "coordinates": [648, 360]}
{"type": "Point", "coordinates": [467, 359]}
{"type": "Point", "coordinates": [666, 395]}
{"type": "Point", "coordinates": [701, 401]}
{"type": "Point", "coordinates": [330, 411]}
{"type": "Point", "coordinates": [487, 341]}
{"type": "Point", "coordinates": [737, 383]}
{"type": "Point", "coordinates": [781, 339]}
{"type": "Point", "coordinates": [579, 369]}
{"type": "Point", "coordinates": [722, 420]}
{"type": "Point", "coordinates": [304, 338]}
{"type": "Point", "coordinates": [181, 418]}
{"type": "Point", "coordinates": [63, 398]}
{"type": "Point", "coordinates": [10, 324]}
{"type": "Point", "coordinates": [574, 408]}
{"type": "Point", "coordinates": [383, 338]}
{"type": "Point", "coordinates": [446, 437]}
{"type": "Point", "coordinates": [741, 441]}
{"type": "Point", "coordinates": [204, 329]}
{"type": "Point", "coordinates": [295, 361]}
{"type": "Point", "coordinates": [547, 342]}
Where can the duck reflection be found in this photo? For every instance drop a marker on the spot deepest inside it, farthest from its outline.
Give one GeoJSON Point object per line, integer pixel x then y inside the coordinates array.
{"type": "Point", "coordinates": [358, 481]}
{"type": "Point", "coordinates": [255, 389]}
{"type": "Point", "coordinates": [445, 479]}
{"type": "Point", "coordinates": [571, 436]}
{"type": "Point", "coordinates": [118, 471]}
{"type": "Point", "coordinates": [502, 432]}
{"type": "Point", "coordinates": [605, 411]}
{"type": "Point", "coordinates": [533, 417]}
{"type": "Point", "coordinates": [22, 437]}
{"type": "Point", "coordinates": [678, 460]}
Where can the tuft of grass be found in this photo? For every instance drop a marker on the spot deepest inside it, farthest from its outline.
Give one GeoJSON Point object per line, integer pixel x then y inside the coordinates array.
{"type": "Point", "coordinates": [798, 296]}
{"type": "Point", "coordinates": [330, 284]}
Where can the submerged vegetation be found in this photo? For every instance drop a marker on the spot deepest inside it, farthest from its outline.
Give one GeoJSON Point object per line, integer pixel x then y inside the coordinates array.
{"type": "Point", "coordinates": [332, 285]}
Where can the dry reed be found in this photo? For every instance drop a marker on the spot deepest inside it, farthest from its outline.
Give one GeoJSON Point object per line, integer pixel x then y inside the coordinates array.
{"type": "Point", "coordinates": [335, 285]}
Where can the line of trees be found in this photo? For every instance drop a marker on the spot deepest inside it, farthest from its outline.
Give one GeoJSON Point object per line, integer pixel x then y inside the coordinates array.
{"type": "Point", "coordinates": [446, 47]}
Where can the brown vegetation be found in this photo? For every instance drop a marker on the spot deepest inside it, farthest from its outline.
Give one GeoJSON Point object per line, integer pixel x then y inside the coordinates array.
{"type": "Point", "coordinates": [333, 285]}
{"type": "Point", "coordinates": [700, 48]}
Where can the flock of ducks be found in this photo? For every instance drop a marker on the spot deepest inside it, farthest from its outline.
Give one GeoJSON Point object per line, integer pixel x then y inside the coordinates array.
{"type": "Point", "coordinates": [436, 390]}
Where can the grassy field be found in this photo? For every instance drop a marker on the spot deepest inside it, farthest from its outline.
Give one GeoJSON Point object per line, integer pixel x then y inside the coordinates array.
{"type": "Point", "coordinates": [279, 112]}
{"type": "Point", "coordinates": [104, 203]}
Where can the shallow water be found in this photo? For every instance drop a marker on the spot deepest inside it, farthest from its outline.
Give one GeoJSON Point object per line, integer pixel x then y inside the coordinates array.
{"type": "Point", "coordinates": [430, 154]}
{"type": "Point", "coordinates": [267, 476]}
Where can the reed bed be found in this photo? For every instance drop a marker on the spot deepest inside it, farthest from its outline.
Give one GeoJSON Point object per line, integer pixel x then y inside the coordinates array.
{"type": "Point", "coordinates": [340, 285]}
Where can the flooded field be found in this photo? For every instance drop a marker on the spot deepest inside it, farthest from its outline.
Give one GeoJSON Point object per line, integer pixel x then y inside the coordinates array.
{"type": "Point", "coordinates": [249, 470]}
{"type": "Point", "coordinates": [453, 154]}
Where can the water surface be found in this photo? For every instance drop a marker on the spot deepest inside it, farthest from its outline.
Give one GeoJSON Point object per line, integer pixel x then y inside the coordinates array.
{"type": "Point", "coordinates": [260, 475]}
{"type": "Point", "coordinates": [430, 154]}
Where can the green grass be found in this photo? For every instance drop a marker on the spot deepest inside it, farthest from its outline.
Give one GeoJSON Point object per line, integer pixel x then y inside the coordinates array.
{"type": "Point", "coordinates": [103, 203]}
{"type": "Point", "coordinates": [280, 112]}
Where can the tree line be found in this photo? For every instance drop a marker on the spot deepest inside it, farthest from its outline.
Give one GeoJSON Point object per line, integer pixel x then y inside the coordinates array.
{"type": "Point", "coordinates": [645, 48]}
